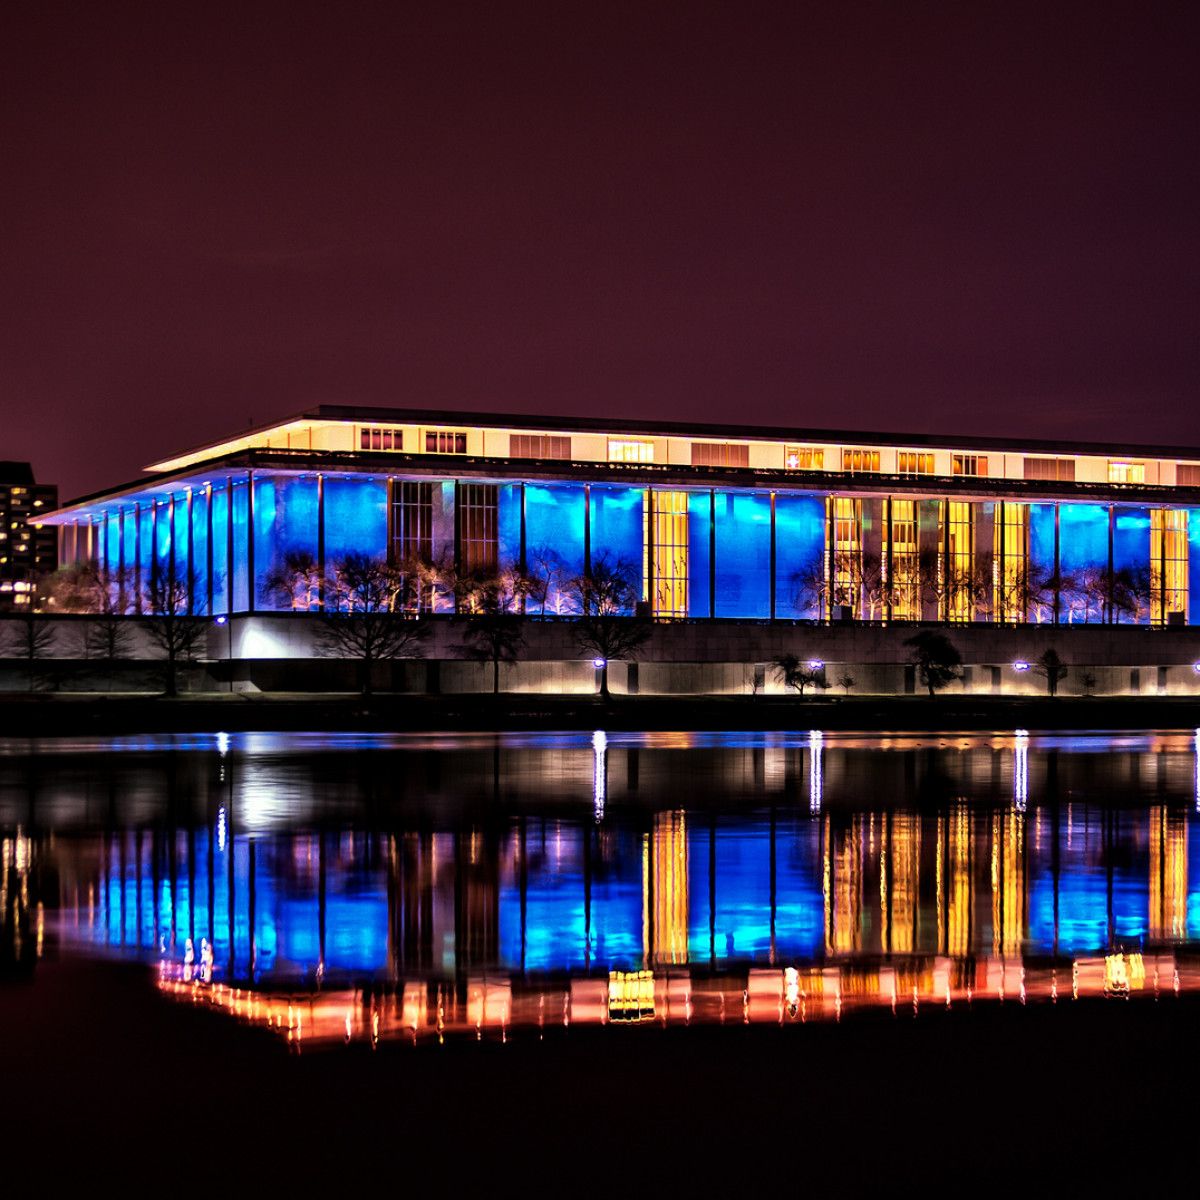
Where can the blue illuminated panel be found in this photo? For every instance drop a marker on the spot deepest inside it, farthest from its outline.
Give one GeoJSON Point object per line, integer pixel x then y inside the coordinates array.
{"type": "Point", "coordinates": [554, 516]}
{"type": "Point", "coordinates": [699, 554]}
{"type": "Point", "coordinates": [144, 545]}
{"type": "Point", "coordinates": [220, 524]}
{"type": "Point", "coordinates": [355, 517]}
{"type": "Point", "coordinates": [112, 541]}
{"type": "Point", "coordinates": [743, 555]}
{"type": "Point", "coordinates": [1193, 520]}
{"type": "Point", "coordinates": [179, 543]}
{"type": "Point", "coordinates": [241, 547]}
{"type": "Point", "coordinates": [1083, 557]}
{"type": "Point", "coordinates": [1041, 559]}
{"type": "Point", "coordinates": [800, 552]}
{"type": "Point", "coordinates": [1131, 565]}
{"type": "Point", "coordinates": [285, 522]}
{"type": "Point", "coordinates": [617, 528]}
{"type": "Point", "coordinates": [200, 549]}
{"type": "Point", "coordinates": [508, 525]}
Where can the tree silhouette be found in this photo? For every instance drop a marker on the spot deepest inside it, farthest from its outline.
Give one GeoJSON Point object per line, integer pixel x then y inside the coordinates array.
{"type": "Point", "coordinates": [495, 633]}
{"type": "Point", "coordinates": [171, 627]}
{"type": "Point", "coordinates": [1051, 668]}
{"type": "Point", "coordinates": [605, 594]}
{"type": "Point", "coordinates": [368, 623]}
{"type": "Point", "coordinates": [797, 673]}
{"type": "Point", "coordinates": [936, 657]}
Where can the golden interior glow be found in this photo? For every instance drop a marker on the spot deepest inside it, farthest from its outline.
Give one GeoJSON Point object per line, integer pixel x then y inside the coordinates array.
{"type": "Point", "coordinates": [665, 535]}
{"type": "Point", "coordinates": [669, 885]}
{"type": "Point", "coordinates": [914, 462]}
{"type": "Point", "coordinates": [629, 450]}
{"type": "Point", "coordinates": [804, 458]}
{"type": "Point", "coordinates": [1011, 541]}
{"type": "Point", "coordinates": [1169, 562]}
{"type": "Point", "coordinates": [1168, 873]}
{"type": "Point", "coordinates": [847, 552]}
{"type": "Point", "coordinates": [1126, 472]}
{"type": "Point", "coordinates": [903, 559]}
{"type": "Point", "coordinates": [860, 460]}
{"type": "Point", "coordinates": [959, 567]}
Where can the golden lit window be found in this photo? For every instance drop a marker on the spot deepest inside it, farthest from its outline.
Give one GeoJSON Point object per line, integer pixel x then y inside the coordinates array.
{"type": "Point", "coordinates": [665, 553]}
{"type": "Point", "coordinates": [720, 454]}
{"type": "Point", "coordinates": [970, 464]}
{"type": "Point", "coordinates": [446, 441]}
{"type": "Point", "coordinates": [860, 460]}
{"type": "Point", "coordinates": [1060, 469]}
{"type": "Point", "coordinates": [539, 445]}
{"type": "Point", "coordinates": [804, 458]}
{"type": "Point", "coordinates": [914, 462]}
{"type": "Point", "coordinates": [1168, 566]}
{"type": "Point", "coordinates": [1122, 471]}
{"type": "Point", "coordinates": [628, 450]}
{"type": "Point", "coordinates": [381, 439]}
{"type": "Point", "coordinates": [901, 551]}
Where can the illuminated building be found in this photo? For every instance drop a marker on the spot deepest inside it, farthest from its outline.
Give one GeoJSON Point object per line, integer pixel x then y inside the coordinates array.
{"type": "Point", "coordinates": [28, 548]}
{"type": "Point", "coordinates": [730, 521]}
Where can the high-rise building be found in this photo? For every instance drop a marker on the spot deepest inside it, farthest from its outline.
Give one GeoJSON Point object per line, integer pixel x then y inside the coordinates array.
{"type": "Point", "coordinates": [28, 549]}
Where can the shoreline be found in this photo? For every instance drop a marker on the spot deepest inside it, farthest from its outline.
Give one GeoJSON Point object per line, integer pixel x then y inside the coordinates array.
{"type": "Point", "coordinates": [49, 714]}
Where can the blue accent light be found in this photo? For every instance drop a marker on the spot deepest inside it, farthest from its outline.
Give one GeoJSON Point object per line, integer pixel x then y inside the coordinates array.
{"type": "Point", "coordinates": [617, 516]}
{"type": "Point", "coordinates": [179, 543]}
{"type": "Point", "coordinates": [200, 550]}
{"type": "Point", "coordinates": [508, 524]}
{"type": "Point", "coordinates": [743, 555]}
{"type": "Point", "coordinates": [1131, 558]}
{"type": "Point", "coordinates": [554, 517]}
{"type": "Point", "coordinates": [1193, 520]}
{"type": "Point", "coordinates": [1083, 557]}
{"type": "Point", "coordinates": [220, 523]}
{"type": "Point", "coordinates": [699, 554]}
{"type": "Point", "coordinates": [240, 597]}
{"type": "Point", "coordinates": [799, 554]}
{"type": "Point", "coordinates": [355, 517]}
{"type": "Point", "coordinates": [285, 521]}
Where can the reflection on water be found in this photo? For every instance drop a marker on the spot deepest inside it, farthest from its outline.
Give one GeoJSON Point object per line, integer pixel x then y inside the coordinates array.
{"type": "Point", "coordinates": [392, 886]}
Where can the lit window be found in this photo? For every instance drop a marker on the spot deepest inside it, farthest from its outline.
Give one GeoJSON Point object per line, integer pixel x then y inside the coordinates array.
{"type": "Point", "coordinates": [446, 441]}
{"type": "Point", "coordinates": [1120, 471]}
{"type": "Point", "coordinates": [720, 454]}
{"type": "Point", "coordinates": [1188, 475]}
{"type": "Point", "coordinates": [623, 450]}
{"type": "Point", "coordinates": [381, 439]}
{"type": "Point", "coordinates": [860, 460]}
{"type": "Point", "coordinates": [804, 458]}
{"type": "Point", "coordinates": [1060, 469]}
{"type": "Point", "coordinates": [914, 462]}
{"type": "Point", "coordinates": [970, 464]}
{"type": "Point", "coordinates": [539, 445]}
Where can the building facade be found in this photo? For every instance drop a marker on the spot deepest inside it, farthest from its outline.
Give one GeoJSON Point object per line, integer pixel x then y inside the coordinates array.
{"type": "Point", "coordinates": [28, 548]}
{"type": "Point", "coordinates": [708, 522]}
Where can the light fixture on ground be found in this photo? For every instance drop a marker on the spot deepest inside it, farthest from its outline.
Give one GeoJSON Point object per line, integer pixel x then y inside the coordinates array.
{"type": "Point", "coordinates": [815, 664]}
{"type": "Point", "coordinates": [1020, 665]}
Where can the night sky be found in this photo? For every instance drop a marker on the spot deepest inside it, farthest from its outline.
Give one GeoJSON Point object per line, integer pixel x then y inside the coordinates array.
{"type": "Point", "coordinates": [953, 218]}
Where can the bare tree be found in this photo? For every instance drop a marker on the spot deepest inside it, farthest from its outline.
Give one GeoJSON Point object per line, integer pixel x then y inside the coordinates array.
{"type": "Point", "coordinates": [30, 637]}
{"type": "Point", "coordinates": [846, 681]}
{"type": "Point", "coordinates": [797, 673]}
{"type": "Point", "coordinates": [936, 657]}
{"type": "Point", "coordinates": [369, 622]}
{"type": "Point", "coordinates": [172, 628]}
{"type": "Point", "coordinates": [1052, 669]}
{"type": "Point", "coordinates": [495, 633]}
{"type": "Point", "coordinates": [296, 580]}
{"type": "Point", "coordinates": [605, 594]}
{"type": "Point", "coordinates": [808, 590]}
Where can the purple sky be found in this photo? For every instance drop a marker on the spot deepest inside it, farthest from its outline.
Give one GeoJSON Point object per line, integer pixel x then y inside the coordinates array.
{"type": "Point", "coordinates": [948, 217]}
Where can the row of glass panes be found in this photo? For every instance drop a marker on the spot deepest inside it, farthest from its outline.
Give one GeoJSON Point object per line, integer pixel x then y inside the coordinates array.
{"type": "Point", "coordinates": [737, 454]}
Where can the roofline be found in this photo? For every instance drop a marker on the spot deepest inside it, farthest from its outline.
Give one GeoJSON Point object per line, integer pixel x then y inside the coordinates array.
{"type": "Point", "coordinates": [728, 432]}
{"type": "Point", "coordinates": [657, 474]}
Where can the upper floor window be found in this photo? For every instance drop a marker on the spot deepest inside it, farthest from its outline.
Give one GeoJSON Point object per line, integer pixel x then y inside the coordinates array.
{"type": "Point", "coordinates": [1121, 471]}
{"type": "Point", "coordinates": [914, 462]}
{"type": "Point", "coordinates": [445, 441]}
{"type": "Point", "coordinates": [624, 450]}
{"type": "Point", "coordinates": [1061, 469]}
{"type": "Point", "coordinates": [720, 454]}
{"type": "Point", "coordinates": [970, 464]}
{"type": "Point", "coordinates": [860, 460]}
{"type": "Point", "coordinates": [804, 458]}
{"type": "Point", "coordinates": [1188, 475]}
{"type": "Point", "coordinates": [381, 439]}
{"type": "Point", "coordinates": [539, 445]}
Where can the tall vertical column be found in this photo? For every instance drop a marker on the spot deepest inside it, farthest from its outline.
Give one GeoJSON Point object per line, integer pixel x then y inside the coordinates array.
{"type": "Point", "coordinates": [122, 566]}
{"type": "Point", "coordinates": [774, 558]}
{"type": "Point", "coordinates": [172, 579]}
{"type": "Point", "coordinates": [947, 578]}
{"type": "Point", "coordinates": [250, 541]}
{"type": "Point", "coordinates": [523, 548]}
{"type": "Point", "coordinates": [137, 557]}
{"type": "Point", "coordinates": [648, 549]}
{"type": "Point", "coordinates": [155, 565]}
{"type": "Point", "coordinates": [1057, 561]}
{"type": "Point", "coordinates": [321, 538]}
{"type": "Point", "coordinates": [888, 563]}
{"type": "Point", "coordinates": [456, 486]}
{"type": "Point", "coordinates": [229, 540]}
{"type": "Point", "coordinates": [830, 553]}
{"type": "Point", "coordinates": [1002, 577]}
{"type": "Point", "coordinates": [587, 528]}
{"type": "Point", "coordinates": [191, 557]}
{"type": "Point", "coordinates": [208, 547]}
{"type": "Point", "coordinates": [1110, 578]}
{"type": "Point", "coordinates": [712, 552]}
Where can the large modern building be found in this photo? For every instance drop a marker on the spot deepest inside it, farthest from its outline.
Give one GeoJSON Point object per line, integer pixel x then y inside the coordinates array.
{"type": "Point", "coordinates": [28, 548]}
{"type": "Point", "coordinates": [716, 521]}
